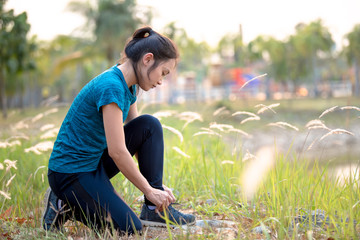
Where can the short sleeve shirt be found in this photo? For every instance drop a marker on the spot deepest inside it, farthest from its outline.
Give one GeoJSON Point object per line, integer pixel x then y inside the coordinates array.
{"type": "Point", "coordinates": [81, 139]}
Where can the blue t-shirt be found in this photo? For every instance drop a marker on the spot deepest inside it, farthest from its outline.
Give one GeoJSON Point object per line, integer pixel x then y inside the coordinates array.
{"type": "Point", "coordinates": [81, 140]}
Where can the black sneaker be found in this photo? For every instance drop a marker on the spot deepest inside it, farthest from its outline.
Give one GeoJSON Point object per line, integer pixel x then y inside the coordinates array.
{"type": "Point", "coordinates": [151, 218]}
{"type": "Point", "coordinates": [53, 217]}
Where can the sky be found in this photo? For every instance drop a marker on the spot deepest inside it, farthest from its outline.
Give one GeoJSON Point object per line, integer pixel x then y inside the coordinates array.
{"type": "Point", "coordinates": [209, 20]}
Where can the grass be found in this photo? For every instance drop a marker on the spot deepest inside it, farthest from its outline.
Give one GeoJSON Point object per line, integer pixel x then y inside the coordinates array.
{"type": "Point", "coordinates": [206, 172]}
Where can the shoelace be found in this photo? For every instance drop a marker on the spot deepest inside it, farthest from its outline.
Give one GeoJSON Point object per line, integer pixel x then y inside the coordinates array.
{"type": "Point", "coordinates": [61, 211]}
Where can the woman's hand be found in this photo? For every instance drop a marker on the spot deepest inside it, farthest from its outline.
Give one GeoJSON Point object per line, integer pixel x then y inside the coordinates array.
{"type": "Point", "coordinates": [169, 191]}
{"type": "Point", "coordinates": [161, 199]}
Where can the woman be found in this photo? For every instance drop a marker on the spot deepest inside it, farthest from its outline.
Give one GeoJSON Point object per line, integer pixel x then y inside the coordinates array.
{"type": "Point", "coordinates": [93, 145]}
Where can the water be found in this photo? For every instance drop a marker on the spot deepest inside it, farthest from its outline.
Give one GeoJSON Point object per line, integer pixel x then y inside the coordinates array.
{"type": "Point", "coordinates": [346, 173]}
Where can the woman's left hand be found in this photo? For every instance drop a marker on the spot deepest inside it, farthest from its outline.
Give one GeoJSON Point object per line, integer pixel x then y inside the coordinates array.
{"type": "Point", "coordinates": [169, 191]}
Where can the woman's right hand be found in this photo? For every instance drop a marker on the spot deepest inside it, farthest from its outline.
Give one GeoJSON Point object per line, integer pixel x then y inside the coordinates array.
{"type": "Point", "coordinates": [160, 198]}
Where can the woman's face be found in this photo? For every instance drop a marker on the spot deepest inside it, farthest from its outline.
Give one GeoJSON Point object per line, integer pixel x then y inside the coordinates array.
{"type": "Point", "coordinates": [156, 76]}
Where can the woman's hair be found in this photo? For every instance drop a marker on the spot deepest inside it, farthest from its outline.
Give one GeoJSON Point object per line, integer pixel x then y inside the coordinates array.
{"type": "Point", "coordinates": [145, 40]}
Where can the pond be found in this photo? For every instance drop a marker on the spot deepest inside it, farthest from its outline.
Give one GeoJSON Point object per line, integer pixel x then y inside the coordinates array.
{"type": "Point", "coordinates": [346, 173]}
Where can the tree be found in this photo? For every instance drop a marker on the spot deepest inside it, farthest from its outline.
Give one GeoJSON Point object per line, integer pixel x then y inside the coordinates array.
{"type": "Point", "coordinates": [272, 51]}
{"type": "Point", "coordinates": [112, 22]}
{"type": "Point", "coordinates": [17, 83]}
{"type": "Point", "coordinates": [15, 50]}
{"type": "Point", "coordinates": [352, 51]}
{"type": "Point", "coordinates": [231, 47]}
{"type": "Point", "coordinates": [62, 63]}
{"type": "Point", "coordinates": [297, 61]}
{"type": "Point", "coordinates": [192, 53]}
{"type": "Point", "coordinates": [309, 43]}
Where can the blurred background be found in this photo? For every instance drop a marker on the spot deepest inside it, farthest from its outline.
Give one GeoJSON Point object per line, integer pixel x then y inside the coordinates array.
{"type": "Point", "coordinates": [230, 50]}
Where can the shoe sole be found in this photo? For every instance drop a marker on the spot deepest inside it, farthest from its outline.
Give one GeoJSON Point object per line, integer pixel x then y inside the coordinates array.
{"type": "Point", "coordinates": [159, 224]}
{"type": "Point", "coordinates": [45, 203]}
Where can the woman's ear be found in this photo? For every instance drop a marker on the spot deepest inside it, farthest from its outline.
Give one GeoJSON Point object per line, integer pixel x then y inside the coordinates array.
{"type": "Point", "coordinates": [147, 58]}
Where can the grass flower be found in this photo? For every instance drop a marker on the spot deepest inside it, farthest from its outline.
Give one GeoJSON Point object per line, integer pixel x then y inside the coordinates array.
{"type": "Point", "coordinates": [40, 147]}
{"type": "Point", "coordinates": [50, 133]}
{"type": "Point", "coordinates": [240, 131]}
{"type": "Point", "coordinates": [350, 108]}
{"type": "Point", "coordinates": [264, 107]}
{"type": "Point", "coordinates": [18, 137]}
{"type": "Point", "coordinates": [218, 111]}
{"type": "Point", "coordinates": [320, 127]}
{"type": "Point", "coordinates": [20, 125]}
{"type": "Point", "coordinates": [248, 156]}
{"type": "Point", "coordinates": [15, 143]}
{"type": "Point", "coordinates": [336, 131]}
{"type": "Point", "coordinates": [46, 113]}
{"type": "Point", "coordinates": [10, 180]}
{"type": "Point", "coordinates": [175, 131]}
{"type": "Point", "coordinates": [283, 124]}
{"type": "Point", "coordinates": [178, 150]}
{"type": "Point", "coordinates": [207, 133]}
{"type": "Point", "coordinates": [244, 113]}
{"type": "Point", "coordinates": [329, 110]}
{"type": "Point", "coordinates": [10, 144]}
{"type": "Point", "coordinates": [37, 117]}
{"type": "Point", "coordinates": [331, 132]}
{"type": "Point", "coordinates": [221, 127]}
{"type": "Point", "coordinates": [50, 111]}
{"type": "Point", "coordinates": [189, 117]}
{"type": "Point", "coordinates": [250, 119]}
{"type": "Point", "coordinates": [163, 114]}
{"type": "Point", "coordinates": [47, 127]}
{"type": "Point", "coordinates": [10, 164]}
{"type": "Point", "coordinates": [6, 195]}
{"type": "Point", "coordinates": [38, 170]}
{"type": "Point", "coordinates": [253, 79]}
{"type": "Point", "coordinates": [312, 144]}
{"type": "Point", "coordinates": [216, 163]}
{"type": "Point", "coordinates": [316, 124]}
{"type": "Point", "coordinates": [4, 144]}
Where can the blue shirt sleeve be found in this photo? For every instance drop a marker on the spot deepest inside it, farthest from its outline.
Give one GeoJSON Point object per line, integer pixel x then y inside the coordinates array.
{"type": "Point", "coordinates": [109, 91]}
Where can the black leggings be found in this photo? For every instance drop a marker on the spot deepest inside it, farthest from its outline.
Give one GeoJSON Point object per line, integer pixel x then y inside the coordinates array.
{"type": "Point", "coordinates": [91, 196]}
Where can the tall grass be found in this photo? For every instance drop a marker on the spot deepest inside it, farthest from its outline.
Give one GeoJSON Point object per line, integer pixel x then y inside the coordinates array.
{"type": "Point", "coordinates": [212, 172]}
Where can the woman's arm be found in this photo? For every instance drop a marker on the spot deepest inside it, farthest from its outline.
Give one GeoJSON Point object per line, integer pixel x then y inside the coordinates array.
{"type": "Point", "coordinates": [133, 113]}
{"type": "Point", "coordinates": [115, 138]}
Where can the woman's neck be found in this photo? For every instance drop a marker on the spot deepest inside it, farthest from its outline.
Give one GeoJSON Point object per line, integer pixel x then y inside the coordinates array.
{"type": "Point", "coordinates": [128, 71]}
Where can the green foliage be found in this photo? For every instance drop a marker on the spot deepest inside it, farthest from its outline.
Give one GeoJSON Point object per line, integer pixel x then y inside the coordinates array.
{"type": "Point", "coordinates": [297, 58]}
{"type": "Point", "coordinates": [353, 48]}
{"type": "Point", "coordinates": [15, 53]}
{"type": "Point", "coordinates": [192, 54]}
{"type": "Point", "coordinates": [352, 52]}
{"type": "Point", "coordinates": [233, 45]}
{"type": "Point", "coordinates": [310, 42]}
{"type": "Point", "coordinates": [273, 51]}
{"type": "Point", "coordinates": [209, 167]}
{"type": "Point", "coordinates": [112, 23]}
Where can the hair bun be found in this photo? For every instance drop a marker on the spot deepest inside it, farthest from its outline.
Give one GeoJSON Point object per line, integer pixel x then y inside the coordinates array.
{"type": "Point", "coordinates": [143, 32]}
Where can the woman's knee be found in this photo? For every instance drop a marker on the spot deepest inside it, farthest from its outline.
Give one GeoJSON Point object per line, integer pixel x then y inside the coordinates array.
{"type": "Point", "coordinates": [151, 122]}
